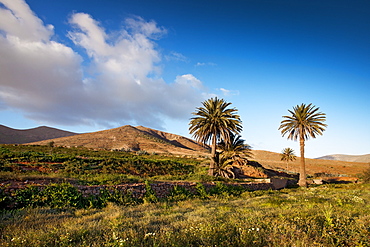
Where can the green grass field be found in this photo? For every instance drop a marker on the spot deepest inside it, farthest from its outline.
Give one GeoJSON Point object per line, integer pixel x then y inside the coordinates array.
{"type": "Point", "coordinates": [327, 215]}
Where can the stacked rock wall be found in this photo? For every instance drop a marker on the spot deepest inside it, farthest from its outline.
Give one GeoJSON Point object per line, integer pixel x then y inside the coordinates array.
{"type": "Point", "coordinates": [138, 190]}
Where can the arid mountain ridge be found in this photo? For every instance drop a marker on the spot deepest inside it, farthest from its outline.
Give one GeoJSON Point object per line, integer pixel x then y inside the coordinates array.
{"type": "Point", "coordinates": [344, 157]}
{"type": "Point", "coordinates": [16, 136]}
{"type": "Point", "coordinates": [154, 141]}
{"type": "Point", "coordinates": [132, 138]}
{"type": "Point", "coordinates": [125, 137]}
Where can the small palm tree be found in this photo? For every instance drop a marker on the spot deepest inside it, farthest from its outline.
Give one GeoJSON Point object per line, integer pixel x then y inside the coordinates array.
{"type": "Point", "coordinates": [288, 155]}
{"type": "Point", "coordinates": [214, 122]}
{"type": "Point", "coordinates": [231, 152]}
{"type": "Point", "coordinates": [304, 122]}
{"type": "Point", "coordinates": [224, 165]}
{"type": "Point", "coordinates": [236, 149]}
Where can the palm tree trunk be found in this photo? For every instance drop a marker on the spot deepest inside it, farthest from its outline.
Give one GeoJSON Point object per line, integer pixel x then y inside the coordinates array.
{"type": "Point", "coordinates": [302, 173]}
{"type": "Point", "coordinates": [211, 171]}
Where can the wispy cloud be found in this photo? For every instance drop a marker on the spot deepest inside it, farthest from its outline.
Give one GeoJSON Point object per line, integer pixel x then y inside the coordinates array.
{"type": "Point", "coordinates": [205, 64]}
{"type": "Point", "coordinates": [175, 56]}
{"type": "Point", "coordinates": [122, 85]}
{"type": "Point", "coordinates": [227, 92]}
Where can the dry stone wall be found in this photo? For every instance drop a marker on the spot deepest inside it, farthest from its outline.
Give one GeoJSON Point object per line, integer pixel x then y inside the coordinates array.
{"type": "Point", "coordinates": [161, 189]}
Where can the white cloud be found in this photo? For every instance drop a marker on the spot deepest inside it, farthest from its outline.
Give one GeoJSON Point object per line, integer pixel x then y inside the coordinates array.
{"type": "Point", "coordinates": [227, 92]}
{"type": "Point", "coordinates": [46, 81]}
{"type": "Point", "coordinates": [17, 19]}
{"type": "Point", "coordinates": [175, 56]}
{"type": "Point", "coordinates": [150, 29]}
{"type": "Point", "coordinates": [205, 64]}
{"type": "Point", "coordinates": [189, 79]}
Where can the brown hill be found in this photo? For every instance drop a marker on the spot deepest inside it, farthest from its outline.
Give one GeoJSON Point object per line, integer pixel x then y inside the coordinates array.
{"type": "Point", "coordinates": [272, 160]}
{"type": "Point", "coordinates": [15, 136]}
{"type": "Point", "coordinates": [350, 158]}
{"type": "Point", "coordinates": [132, 138]}
{"type": "Point", "coordinates": [142, 138]}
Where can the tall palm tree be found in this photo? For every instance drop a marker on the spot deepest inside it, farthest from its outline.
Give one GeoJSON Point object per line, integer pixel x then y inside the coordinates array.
{"type": "Point", "coordinates": [213, 122]}
{"type": "Point", "coordinates": [287, 155]}
{"type": "Point", "coordinates": [304, 122]}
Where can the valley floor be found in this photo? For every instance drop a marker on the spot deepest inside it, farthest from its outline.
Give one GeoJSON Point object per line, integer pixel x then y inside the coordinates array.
{"type": "Point", "coordinates": [326, 215]}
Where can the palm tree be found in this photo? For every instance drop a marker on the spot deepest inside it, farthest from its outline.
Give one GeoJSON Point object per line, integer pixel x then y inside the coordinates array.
{"type": "Point", "coordinates": [224, 165]}
{"type": "Point", "coordinates": [304, 122]}
{"type": "Point", "coordinates": [231, 152]}
{"type": "Point", "coordinates": [214, 122]}
{"type": "Point", "coordinates": [236, 149]}
{"type": "Point", "coordinates": [287, 155]}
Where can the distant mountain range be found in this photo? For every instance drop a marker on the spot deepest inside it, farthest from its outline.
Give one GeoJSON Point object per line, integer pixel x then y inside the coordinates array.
{"type": "Point", "coordinates": [349, 158]}
{"type": "Point", "coordinates": [141, 138]}
{"type": "Point", "coordinates": [128, 138]}
{"type": "Point", "coordinates": [15, 136]}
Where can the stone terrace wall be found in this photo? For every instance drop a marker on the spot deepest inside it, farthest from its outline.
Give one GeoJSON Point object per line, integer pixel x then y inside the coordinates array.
{"type": "Point", "coordinates": [161, 189]}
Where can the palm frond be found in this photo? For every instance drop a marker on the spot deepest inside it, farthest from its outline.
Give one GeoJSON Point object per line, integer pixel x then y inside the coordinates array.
{"type": "Point", "coordinates": [214, 118]}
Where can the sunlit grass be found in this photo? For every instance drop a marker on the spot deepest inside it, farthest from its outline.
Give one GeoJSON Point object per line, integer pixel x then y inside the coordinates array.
{"type": "Point", "coordinates": [318, 216]}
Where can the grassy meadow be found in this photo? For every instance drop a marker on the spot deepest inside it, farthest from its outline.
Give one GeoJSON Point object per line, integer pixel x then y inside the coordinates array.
{"type": "Point", "coordinates": [326, 215]}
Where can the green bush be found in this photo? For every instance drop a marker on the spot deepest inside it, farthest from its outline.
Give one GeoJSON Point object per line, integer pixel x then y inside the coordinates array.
{"type": "Point", "coordinates": [29, 197]}
{"type": "Point", "coordinates": [63, 195]}
{"type": "Point", "coordinates": [75, 166]}
{"type": "Point", "coordinates": [179, 193]}
{"type": "Point", "coordinates": [222, 189]}
{"type": "Point", "coordinates": [5, 199]}
{"type": "Point", "coordinates": [54, 195]}
{"type": "Point", "coordinates": [201, 191]}
{"type": "Point", "coordinates": [149, 196]}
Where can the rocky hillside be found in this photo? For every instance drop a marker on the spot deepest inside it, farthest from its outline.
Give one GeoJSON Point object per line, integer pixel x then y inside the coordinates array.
{"type": "Point", "coordinates": [133, 138]}
{"type": "Point", "coordinates": [150, 140]}
{"type": "Point", "coordinates": [350, 158]}
{"type": "Point", "coordinates": [15, 136]}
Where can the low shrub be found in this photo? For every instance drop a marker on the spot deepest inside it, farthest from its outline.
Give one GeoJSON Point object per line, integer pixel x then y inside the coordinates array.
{"type": "Point", "coordinates": [221, 189]}
{"type": "Point", "coordinates": [63, 195]}
{"type": "Point", "coordinates": [179, 193]}
{"type": "Point", "coordinates": [149, 196]}
{"type": "Point", "coordinates": [5, 199]}
{"type": "Point", "coordinates": [201, 191]}
{"type": "Point", "coordinates": [54, 195]}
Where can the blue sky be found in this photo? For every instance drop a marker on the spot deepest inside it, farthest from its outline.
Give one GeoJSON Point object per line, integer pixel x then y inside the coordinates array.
{"type": "Point", "coordinates": [87, 65]}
